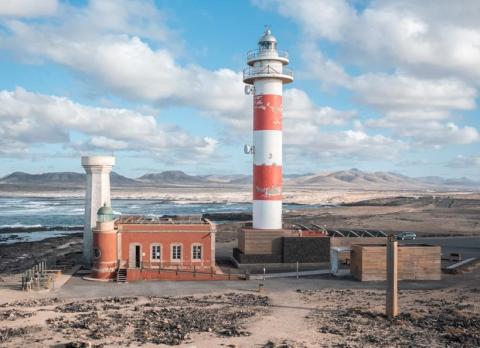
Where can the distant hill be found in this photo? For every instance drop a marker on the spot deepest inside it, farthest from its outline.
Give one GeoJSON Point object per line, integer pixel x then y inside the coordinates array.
{"type": "Point", "coordinates": [120, 180]}
{"type": "Point", "coordinates": [442, 181]}
{"type": "Point", "coordinates": [61, 179]}
{"type": "Point", "coordinates": [355, 178]}
{"type": "Point", "coordinates": [343, 179]}
{"type": "Point", "coordinates": [173, 177]}
{"type": "Point", "coordinates": [57, 178]}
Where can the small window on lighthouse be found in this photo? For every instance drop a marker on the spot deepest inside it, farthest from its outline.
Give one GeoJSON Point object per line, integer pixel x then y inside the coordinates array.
{"type": "Point", "coordinates": [268, 45]}
{"type": "Point", "coordinates": [97, 253]}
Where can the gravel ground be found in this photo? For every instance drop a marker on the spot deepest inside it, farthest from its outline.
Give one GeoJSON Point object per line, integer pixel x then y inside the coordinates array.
{"type": "Point", "coordinates": [121, 321]}
{"type": "Point", "coordinates": [435, 318]}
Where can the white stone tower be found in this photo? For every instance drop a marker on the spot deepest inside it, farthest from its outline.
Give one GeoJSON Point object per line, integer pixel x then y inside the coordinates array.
{"type": "Point", "coordinates": [267, 74]}
{"type": "Point", "coordinates": [98, 170]}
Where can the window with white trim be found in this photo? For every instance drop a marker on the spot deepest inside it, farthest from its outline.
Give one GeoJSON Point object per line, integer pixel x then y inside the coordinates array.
{"type": "Point", "coordinates": [176, 252]}
{"type": "Point", "coordinates": [197, 252]}
{"type": "Point", "coordinates": [156, 252]}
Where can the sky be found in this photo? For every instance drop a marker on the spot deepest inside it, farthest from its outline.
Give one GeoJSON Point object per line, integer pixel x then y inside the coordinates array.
{"type": "Point", "coordinates": [379, 85]}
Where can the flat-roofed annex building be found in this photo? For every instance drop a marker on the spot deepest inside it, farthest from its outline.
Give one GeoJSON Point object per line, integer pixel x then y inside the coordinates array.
{"type": "Point", "coordinates": [143, 247]}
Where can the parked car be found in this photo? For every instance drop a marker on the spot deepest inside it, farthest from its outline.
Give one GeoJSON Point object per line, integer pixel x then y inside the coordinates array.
{"type": "Point", "coordinates": [406, 236]}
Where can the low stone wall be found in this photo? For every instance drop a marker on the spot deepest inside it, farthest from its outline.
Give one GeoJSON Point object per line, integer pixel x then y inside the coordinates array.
{"type": "Point", "coordinates": [306, 249]}
{"type": "Point", "coordinates": [256, 258]}
{"type": "Point", "coordinates": [152, 274]}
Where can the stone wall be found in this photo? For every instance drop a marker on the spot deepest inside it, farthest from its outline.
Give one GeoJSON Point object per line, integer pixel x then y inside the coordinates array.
{"type": "Point", "coordinates": [306, 249]}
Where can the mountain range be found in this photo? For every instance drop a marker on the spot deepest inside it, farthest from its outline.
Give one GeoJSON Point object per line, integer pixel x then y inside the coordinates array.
{"type": "Point", "coordinates": [352, 178]}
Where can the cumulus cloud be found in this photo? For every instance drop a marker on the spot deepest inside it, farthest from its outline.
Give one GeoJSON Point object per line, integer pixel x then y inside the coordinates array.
{"type": "Point", "coordinates": [422, 55]}
{"type": "Point", "coordinates": [299, 107]}
{"type": "Point", "coordinates": [400, 91]}
{"type": "Point", "coordinates": [125, 47]}
{"type": "Point", "coordinates": [28, 8]}
{"type": "Point", "coordinates": [106, 42]}
{"type": "Point", "coordinates": [346, 144]}
{"type": "Point", "coordinates": [305, 136]}
{"type": "Point", "coordinates": [28, 118]}
{"type": "Point", "coordinates": [464, 162]}
{"type": "Point", "coordinates": [420, 37]}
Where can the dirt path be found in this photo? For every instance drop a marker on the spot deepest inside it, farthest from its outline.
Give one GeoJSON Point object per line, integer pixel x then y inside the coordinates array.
{"type": "Point", "coordinates": [284, 323]}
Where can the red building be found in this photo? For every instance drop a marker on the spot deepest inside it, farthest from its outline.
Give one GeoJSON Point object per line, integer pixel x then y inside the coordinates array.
{"type": "Point", "coordinates": [139, 247]}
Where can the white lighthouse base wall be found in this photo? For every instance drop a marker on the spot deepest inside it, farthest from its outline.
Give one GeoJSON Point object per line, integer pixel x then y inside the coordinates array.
{"type": "Point", "coordinates": [267, 215]}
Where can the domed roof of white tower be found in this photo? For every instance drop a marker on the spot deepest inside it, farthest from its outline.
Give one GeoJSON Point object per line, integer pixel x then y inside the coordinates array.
{"type": "Point", "coordinates": [267, 36]}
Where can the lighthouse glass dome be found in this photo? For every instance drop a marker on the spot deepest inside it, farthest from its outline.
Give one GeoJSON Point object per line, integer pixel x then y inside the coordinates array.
{"type": "Point", "coordinates": [267, 61]}
{"type": "Point", "coordinates": [105, 214]}
{"type": "Point", "coordinates": [267, 41]}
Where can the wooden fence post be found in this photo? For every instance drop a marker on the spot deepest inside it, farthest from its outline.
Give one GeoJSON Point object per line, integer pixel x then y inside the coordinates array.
{"type": "Point", "coordinates": [392, 277]}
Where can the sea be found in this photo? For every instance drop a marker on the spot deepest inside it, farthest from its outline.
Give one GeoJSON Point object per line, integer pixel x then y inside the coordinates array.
{"type": "Point", "coordinates": [29, 219]}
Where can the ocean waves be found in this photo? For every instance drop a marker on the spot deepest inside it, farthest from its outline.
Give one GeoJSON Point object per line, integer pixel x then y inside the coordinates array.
{"type": "Point", "coordinates": [20, 228]}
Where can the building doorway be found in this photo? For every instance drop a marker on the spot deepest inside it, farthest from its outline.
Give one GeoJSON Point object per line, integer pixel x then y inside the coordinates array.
{"type": "Point", "coordinates": [137, 256]}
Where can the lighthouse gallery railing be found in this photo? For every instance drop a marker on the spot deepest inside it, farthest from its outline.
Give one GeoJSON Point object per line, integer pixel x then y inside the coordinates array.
{"type": "Point", "coordinates": [265, 70]}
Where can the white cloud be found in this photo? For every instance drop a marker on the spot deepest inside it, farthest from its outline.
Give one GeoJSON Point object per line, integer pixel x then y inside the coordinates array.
{"type": "Point", "coordinates": [400, 92]}
{"type": "Point", "coordinates": [129, 66]}
{"type": "Point", "coordinates": [304, 136]}
{"type": "Point", "coordinates": [420, 109]}
{"type": "Point", "coordinates": [323, 18]}
{"type": "Point", "coordinates": [28, 8]}
{"type": "Point", "coordinates": [351, 144]}
{"type": "Point", "coordinates": [423, 59]}
{"type": "Point", "coordinates": [107, 143]}
{"type": "Point", "coordinates": [114, 53]}
{"type": "Point", "coordinates": [28, 118]}
{"type": "Point", "coordinates": [439, 134]}
{"type": "Point", "coordinates": [319, 67]}
{"type": "Point", "coordinates": [126, 48]}
{"type": "Point", "coordinates": [464, 162]}
{"type": "Point", "coordinates": [420, 37]}
{"type": "Point", "coordinates": [300, 108]}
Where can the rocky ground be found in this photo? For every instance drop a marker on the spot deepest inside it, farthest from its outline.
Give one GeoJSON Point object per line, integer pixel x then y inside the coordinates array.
{"type": "Point", "coordinates": [289, 319]}
{"type": "Point", "coordinates": [434, 318]}
{"type": "Point", "coordinates": [125, 321]}
{"type": "Point", "coordinates": [15, 258]}
{"type": "Point", "coordinates": [425, 215]}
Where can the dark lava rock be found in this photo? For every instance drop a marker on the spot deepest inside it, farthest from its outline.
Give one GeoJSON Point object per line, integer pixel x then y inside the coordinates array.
{"type": "Point", "coordinates": [9, 333]}
{"type": "Point", "coordinates": [14, 314]}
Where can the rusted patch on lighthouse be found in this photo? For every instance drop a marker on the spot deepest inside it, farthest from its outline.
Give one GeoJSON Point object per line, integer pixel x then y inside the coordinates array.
{"type": "Point", "coordinates": [267, 182]}
{"type": "Point", "coordinates": [267, 112]}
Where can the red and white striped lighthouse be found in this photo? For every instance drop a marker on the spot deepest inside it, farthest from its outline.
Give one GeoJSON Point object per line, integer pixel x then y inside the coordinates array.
{"type": "Point", "coordinates": [267, 74]}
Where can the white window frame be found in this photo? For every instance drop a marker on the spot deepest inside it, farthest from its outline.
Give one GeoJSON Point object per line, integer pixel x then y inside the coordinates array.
{"type": "Point", "coordinates": [152, 258]}
{"type": "Point", "coordinates": [172, 246]}
{"type": "Point", "coordinates": [193, 253]}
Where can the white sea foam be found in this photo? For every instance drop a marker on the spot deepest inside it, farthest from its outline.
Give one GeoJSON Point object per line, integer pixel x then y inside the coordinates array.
{"type": "Point", "coordinates": [19, 225]}
{"type": "Point", "coordinates": [32, 237]}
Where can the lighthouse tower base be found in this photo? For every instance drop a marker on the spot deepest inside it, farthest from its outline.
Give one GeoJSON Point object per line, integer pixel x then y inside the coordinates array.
{"type": "Point", "coordinates": [256, 246]}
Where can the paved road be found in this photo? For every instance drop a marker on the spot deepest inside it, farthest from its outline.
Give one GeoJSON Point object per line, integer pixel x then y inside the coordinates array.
{"type": "Point", "coordinates": [467, 246]}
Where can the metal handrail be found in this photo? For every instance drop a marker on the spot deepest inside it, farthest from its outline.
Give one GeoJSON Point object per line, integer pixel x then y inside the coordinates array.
{"type": "Point", "coordinates": [253, 54]}
{"type": "Point", "coordinates": [265, 70]}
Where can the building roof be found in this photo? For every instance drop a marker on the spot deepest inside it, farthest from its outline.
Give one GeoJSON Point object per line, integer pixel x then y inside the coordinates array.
{"type": "Point", "coordinates": [163, 220]}
{"type": "Point", "coordinates": [105, 210]}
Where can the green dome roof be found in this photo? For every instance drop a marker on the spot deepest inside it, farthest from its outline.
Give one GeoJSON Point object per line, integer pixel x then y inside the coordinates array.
{"type": "Point", "coordinates": [105, 211]}
{"type": "Point", "coordinates": [105, 214]}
